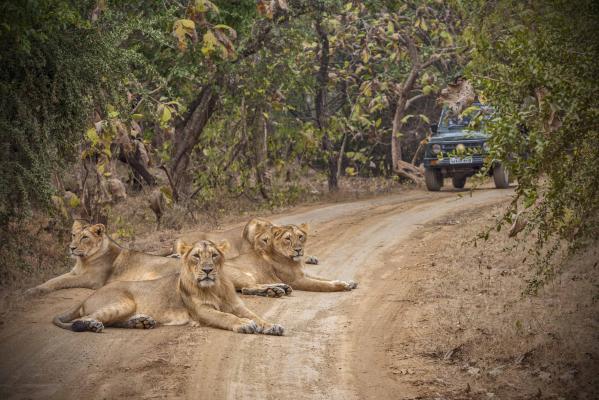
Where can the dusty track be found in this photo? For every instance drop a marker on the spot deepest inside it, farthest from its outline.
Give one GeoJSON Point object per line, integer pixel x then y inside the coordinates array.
{"type": "Point", "coordinates": [335, 342]}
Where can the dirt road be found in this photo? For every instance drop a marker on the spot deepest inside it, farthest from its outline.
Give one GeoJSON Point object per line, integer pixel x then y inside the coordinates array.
{"type": "Point", "coordinates": [334, 346]}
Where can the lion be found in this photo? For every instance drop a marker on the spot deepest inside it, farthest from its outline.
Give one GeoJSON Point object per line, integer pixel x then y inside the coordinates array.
{"type": "Point", "coordinates": [275, 266]}
{"type": "Point", "coordinates": [201, 293]}
{"type": "Point", "coordinates": [241, 242]}
{"type": "Point", "coordinates": [99, 260]}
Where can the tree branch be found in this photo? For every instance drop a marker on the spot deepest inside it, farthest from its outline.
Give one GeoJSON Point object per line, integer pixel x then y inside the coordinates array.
{"type": "Point", "coordinates": [414, 99]}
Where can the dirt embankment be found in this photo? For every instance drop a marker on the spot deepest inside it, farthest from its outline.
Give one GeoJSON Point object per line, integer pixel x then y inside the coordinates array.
{"type": "Point", "coordinates": [432, 318]}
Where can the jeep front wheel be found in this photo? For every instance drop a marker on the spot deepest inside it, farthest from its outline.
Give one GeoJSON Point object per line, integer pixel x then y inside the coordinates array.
{"type": "Point", "coordinates": [501, 177]}
{"type": "Point", "coordinates": [458, 182]}
{"type": "Point", "coordinates": [433, 179]}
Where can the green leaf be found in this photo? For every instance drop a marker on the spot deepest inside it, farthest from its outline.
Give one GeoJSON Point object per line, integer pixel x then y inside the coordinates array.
{"type": "Point", "coordinates": [74, 201]}
{"type": "Point", "coordinates": [165, 114]}
{"type": "Point", "coordinates": [351, 171]}
{"type": "Point", "coordinates": [92, 136]}
{"type": "Point", "coordinates": [406, 118]}
{"type": "Point", "coordinates": [203, 6]}
{"type": "Point", "coordinates": [210, 41]}
{"type": "Point", "coordinates": [187, 24]}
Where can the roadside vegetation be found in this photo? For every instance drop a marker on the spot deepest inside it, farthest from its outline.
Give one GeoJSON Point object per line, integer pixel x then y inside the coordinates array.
{"type": "Point", "coordinates": [159, 115]}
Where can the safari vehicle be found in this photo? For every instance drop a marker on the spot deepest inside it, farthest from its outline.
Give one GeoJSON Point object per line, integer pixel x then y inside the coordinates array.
{"type": "Point", "coordinates": [458, 148]}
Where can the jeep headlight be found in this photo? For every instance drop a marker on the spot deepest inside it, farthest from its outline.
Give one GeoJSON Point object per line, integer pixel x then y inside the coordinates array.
{"type": "Point", "coordinates": [486, 147]}
{"type": "Point", "coordinates": [436, 148]}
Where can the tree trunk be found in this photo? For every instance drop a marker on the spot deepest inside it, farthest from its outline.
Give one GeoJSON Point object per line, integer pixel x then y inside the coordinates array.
{"type": "Point", "coordinates": [400, 111]}
{"type": "Point", "coordinates": [188, 135]}
{"type": "Point", "coordinates": [340, 157]}
{"type": "Point", "coordinates": [260, 151]}
{"type": "Point", "coordinates": [321, 106]}
{"type": "Point", "coordinates": [419, 150]}
{"type": "Point", "coordinates": [411, 172]}
{"type": "Point", "coordinates": [130, 154]}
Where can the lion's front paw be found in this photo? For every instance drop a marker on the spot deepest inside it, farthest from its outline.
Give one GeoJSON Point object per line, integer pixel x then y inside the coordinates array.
{"type": "Point", "coordinates": [286, 287]}
{"type": "Point", "coordinates": [82, 325]}
{"type": "Point", "coordinates": [311, 260]}
{"type": "Point", "coordinates": [275, 330]}
{"type": "Point", "coordinates": [275, 291]}
{"type": "Point", "coordinates": [246, 326]}
{"type": "Point", "coordinates": [281, 289]}
{"type": "Point", "coordinates": [141, 321]}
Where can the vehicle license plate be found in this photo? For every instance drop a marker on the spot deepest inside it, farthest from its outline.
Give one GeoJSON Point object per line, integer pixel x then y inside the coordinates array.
{"type": "Point", "coordinates": [460, 160]}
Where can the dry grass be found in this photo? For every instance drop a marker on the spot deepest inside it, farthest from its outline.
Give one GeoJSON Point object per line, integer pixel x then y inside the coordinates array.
{"type": "Point", "coordinates": [469, 322]}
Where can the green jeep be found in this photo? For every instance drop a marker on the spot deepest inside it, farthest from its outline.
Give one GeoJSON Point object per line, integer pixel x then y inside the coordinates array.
{"type": "Point", "coordinates": [458, 148]}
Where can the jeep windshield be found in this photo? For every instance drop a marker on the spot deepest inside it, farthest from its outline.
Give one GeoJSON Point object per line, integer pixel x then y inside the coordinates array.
{"type": "Point", "coordinates": [472, 119]}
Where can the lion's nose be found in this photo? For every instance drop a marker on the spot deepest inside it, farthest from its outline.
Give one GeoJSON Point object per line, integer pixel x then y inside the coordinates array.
{"type": "Point", "coordinates": [73, 248]}
{"type": "Point", "coordinates": [207, 269]}
{"type": "Point", "coordinates": [299, 251]}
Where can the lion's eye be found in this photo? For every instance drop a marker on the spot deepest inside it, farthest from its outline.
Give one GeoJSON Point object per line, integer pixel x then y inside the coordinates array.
{"type": "Point", "coordinates": [85, 238]}
{"type": "Point", "coordinates": [301, 237]}
{"type": "Point", "coordinates": [215, 255]}
{"type": "Point", "coordinates": [196, 255]}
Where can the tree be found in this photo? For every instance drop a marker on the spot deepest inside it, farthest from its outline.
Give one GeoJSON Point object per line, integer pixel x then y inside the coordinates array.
{"type": "Point", "coordinates": [53, 72]}
{"type": "Point", "coordinates": [405, 49]}
{"type": "Point", "coordinates": [535, 62]}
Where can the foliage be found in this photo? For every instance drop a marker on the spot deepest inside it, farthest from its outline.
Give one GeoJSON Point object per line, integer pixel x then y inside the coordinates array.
{"type": "Point", "coordinates": [54, 67]}
{"type": "Point", "coordinates": [254, 95]}
{"type": "Point", "coordinates": [536, 63]}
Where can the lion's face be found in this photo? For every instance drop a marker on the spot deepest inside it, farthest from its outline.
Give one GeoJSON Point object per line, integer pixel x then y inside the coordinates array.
{"type": "Point", "coordinates": [204, 261]}
{"type": "Point", "coordinates": [254, 228]}
{"type": "Point", "coordinates": [86, 240]}
{"type": "Point", "coordinates": [289, 240]}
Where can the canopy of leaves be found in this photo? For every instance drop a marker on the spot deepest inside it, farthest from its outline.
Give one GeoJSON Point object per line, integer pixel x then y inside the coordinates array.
{"type": "Point", "coordinates": [54, 67]}
{"type": "Point", "coordinates": [536, 62]}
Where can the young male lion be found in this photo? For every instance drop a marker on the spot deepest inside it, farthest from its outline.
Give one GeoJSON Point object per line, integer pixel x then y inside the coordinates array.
{"type": "Point", "coordinates": [201, 293]}
{"type": "Point", "coordinates": [277, 259]}
{"type": "Point", "coordinates": [100, 260]}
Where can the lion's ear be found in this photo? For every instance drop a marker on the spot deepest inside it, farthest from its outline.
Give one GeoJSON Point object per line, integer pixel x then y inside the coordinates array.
{"type": "Point", "coordinates": [305, 227]}
{"type": "Point", "coordinates": [181, 247]}
{"type": "Point", "coordinates": [98, 229]}
{"type": "Point", "coordinates": [223, 246]}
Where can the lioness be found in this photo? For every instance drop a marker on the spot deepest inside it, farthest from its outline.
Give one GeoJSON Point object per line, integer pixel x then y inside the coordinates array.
{"type": "Point", "coordinates": [200, 293]}
{"type": "Point", "coordinates": [276, 259]}
{"type": "Point", "coordinates": [100, 260]}
{"type": "Point", "coordinates": [241, 241]}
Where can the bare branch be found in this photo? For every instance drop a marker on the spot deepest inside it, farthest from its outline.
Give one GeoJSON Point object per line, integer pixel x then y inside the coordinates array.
{"type": "Point", "coordinates": [414, 99]}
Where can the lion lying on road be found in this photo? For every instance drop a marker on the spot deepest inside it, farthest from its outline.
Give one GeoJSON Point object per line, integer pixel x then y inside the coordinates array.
{"type": "Point", "coordinates": [241, 242]}
{"type": "Point", "coordinates": [277, 259]}
{"type": "Point", "coordinates": [201, 292]}
{"type": "Point", "coordinates": [100, 261]}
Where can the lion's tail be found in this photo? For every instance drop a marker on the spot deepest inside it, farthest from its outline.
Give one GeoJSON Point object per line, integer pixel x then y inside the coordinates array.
{"type": "Point", "coordinates": [64, 320]}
